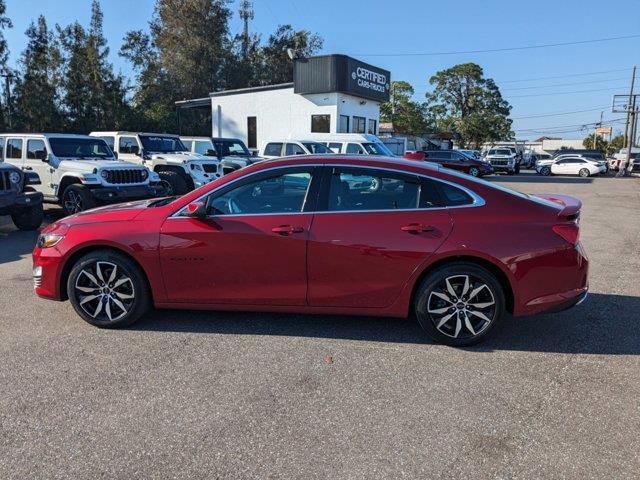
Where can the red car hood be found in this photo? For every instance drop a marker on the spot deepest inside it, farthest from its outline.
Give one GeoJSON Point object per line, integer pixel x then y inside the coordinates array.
{"type": "Point", "coordinates": [568, 205]}
{"type": "Point", "coordinates": [111, 213]}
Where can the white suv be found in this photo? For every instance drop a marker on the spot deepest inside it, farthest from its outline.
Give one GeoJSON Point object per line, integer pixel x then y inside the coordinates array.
{"type": "Point", "coordinates": [503, 160]}
{"type": "Point", "coordinates": [285, 148]}
{"type": "Point", "coordinates": [77, 171]}
{"type": "Point", "coordinates": [180, 170]}
{"type": "Point", "coordinates": [232, 152]}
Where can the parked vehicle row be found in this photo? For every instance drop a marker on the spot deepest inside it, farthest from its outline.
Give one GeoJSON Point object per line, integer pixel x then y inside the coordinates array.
{"type": "Point", "coordinates": [458, 160]}
{"type": "Point", "coordinates": [571, 164]}
{"type": "Point", "coordinates": [325, 234]}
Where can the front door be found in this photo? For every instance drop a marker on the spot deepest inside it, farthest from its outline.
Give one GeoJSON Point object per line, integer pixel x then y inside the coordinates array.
{"type": "Point", "coordinates": [377, 227]}
{"type": "Point", "coordinates": [250, 250]}
{"type": "Point", "coordinates": [36, 152]}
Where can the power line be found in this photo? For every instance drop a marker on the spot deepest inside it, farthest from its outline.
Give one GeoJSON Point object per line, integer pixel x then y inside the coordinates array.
{"type": "Point", "coordinates": [559, 127]}
{"type": "Point", "coordinates": [564, 76]}
{"type": "Point", "coordinates": [555, 114]}
{"type": "Point", "coordinates": [565, 93]}
{"type": "Point", "coordinates": [493, 50]}
{"type": "Point", "coordinates": [564, 84]}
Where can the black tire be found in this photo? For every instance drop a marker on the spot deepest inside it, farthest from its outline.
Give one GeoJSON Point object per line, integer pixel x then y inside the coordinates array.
{"type": "Point", "coordinates": [474, 172]}
{"type": "Point", "coordinates": [465, 324]}
{"type": "Point", "coordinates": [584, 173]}
{"type": "Point", "coordinates": [175, 182]}
{"type": "Point", "coordinates": [80, 285]}
{"type": "Point", "coordinates": [28, 218]}
{"type": "Point", "coordinates": [517, 171]}
{"type": "Point", "coordinates": [77, 198]}
{"type": "Point", "coordinates": [546, 171]}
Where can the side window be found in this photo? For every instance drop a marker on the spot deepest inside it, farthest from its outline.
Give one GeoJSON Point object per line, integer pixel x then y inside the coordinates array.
{"type": "Point", "coordinates": [454, 196]}
{"type": "Point", "coordinates": [14, 148]}
{"type": "Point", "coordinates": [280, 193]}
{"type": "Point", "coordinates": [188, 144]}
{"type": "Point", "coordinates": [36, 149]}
{"type": "Point", "coordinates": [335, 147]}
{"type": "Point", "coordinates": [110, 141]}
{"type": "Point", "coordinates": [128, 145]}
{"type": "Point", "coordinates": [273, 149]}
{"type": "Point", "coordinates": [370, 189]}
{"type": "Point", "coordinates": [354, 148]}
{"type": "Point", "coordinates": [203, 148]}
{"type": "Point", "coordinates": [444, 155]}
{"type": "Point", "coordinates": [294, 149]}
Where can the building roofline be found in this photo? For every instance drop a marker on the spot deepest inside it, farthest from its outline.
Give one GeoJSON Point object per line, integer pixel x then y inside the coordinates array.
{"type": "Point", "coordinates": [264, 88]}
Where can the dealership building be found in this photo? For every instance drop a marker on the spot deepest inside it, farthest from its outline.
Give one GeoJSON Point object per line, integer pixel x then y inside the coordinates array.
{"type": "Point", "coordinates": [329, 94]}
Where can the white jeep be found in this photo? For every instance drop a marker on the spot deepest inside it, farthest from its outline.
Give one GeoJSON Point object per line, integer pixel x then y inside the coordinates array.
{"type": "Point", "coordinates": [77, 171]}
{"type": "Point", "coordinates": [180, 170]}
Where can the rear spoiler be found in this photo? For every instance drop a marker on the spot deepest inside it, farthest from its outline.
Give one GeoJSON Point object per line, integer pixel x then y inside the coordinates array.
{"type": "Point", "coordinates": [570, 206]}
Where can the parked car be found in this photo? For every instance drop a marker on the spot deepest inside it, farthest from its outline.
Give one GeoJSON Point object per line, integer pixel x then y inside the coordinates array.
{"type": "Point", "coordinates": [471, 153]}
{"type": "Point", "coordinates": [18, 199]}
{"type": "Point", "coordinates": [503, 160]}
{"type": "Point", "coordinates": [572, 165]}
{"type": "Point", "coordinates": [598, 161]}
{"type": "Point", "coordinates": [378, 236]}
{"type": "Point", "coordinates": [232, 153]}
{"type": "Point", "coordinates": [597, 155]}
{"type": "Point", "coordinates": [354, 144]}
{"type": "Point", "coordinates": [536, 157]}
{"type": "Point", "coordinates": [78, 172]}
{"type": "Point", "coordinates": [456, 160]}
{"type": "Point", "coordinates": [180, 170]}
{"type": "Point", "coordinates": [621, 157]}
{"type": "Point", "coordinates": [285, 148]}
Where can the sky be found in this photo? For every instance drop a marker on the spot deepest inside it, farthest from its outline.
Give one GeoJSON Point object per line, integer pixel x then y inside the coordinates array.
{"type": "Point", "coordinates": [390, 34]}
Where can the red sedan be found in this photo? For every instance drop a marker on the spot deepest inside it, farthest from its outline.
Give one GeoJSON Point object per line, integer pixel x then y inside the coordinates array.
{"type": "Point", "coordinates": [330, 235]}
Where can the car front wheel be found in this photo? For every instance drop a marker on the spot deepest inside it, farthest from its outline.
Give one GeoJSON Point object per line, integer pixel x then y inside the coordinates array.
{"type": "Point", "coordinates": [474, 172]}
{"type": "Point", "coordinates": [459, 304]}
{"type": "Point", "coordinates": [546, 171]}
{"type": "Point", "coordinates": [174, 182]}
{"type": "Point", "coordinates": [107, 289]}
{"type": "Point", "coordinates": [77, 198]}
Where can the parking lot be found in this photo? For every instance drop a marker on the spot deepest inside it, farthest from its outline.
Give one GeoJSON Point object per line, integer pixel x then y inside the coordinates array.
{"type": "Point", "coordinates": [208, 395]}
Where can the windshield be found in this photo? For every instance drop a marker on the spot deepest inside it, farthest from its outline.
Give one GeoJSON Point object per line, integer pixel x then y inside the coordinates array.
{"type": "Point", "coordinates": [314, 147]}
{"type": "Point", "coordinates": [231, 147]}
{"type": "Point", "coordinates": [161, 144]}
{"type": "Point", "coordinates": [377, 148]}
{"type": "Point", "coordinates": [500, 152]}
{"type": "Point", "coordinates": [87, 148]}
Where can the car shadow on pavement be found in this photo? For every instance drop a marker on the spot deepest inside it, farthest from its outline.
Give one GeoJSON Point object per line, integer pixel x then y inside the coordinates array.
{"type": "Point", "coordinates": [603, 324]}
{"type": "Point", "coordinates": [14, 243]}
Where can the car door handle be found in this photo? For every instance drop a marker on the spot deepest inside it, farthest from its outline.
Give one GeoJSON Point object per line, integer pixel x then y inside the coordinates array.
{"type": "Point", "coordinates": [27, 168]}
{"type": "Point", "coordinates": [418, 228]}
{"type": "Point", "coordinates": [287, 230]}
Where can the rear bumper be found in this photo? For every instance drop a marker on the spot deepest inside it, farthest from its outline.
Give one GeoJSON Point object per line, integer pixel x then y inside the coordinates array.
{"type": "Point", "coordinates": [118, 194]}
{"type": "Point", "coordinates": [13, 201]}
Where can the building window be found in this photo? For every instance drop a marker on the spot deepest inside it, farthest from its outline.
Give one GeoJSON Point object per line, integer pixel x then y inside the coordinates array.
{"type": "Point", "coordinates": [320, 123]}
{"type": "Point", "coordinates": [252, 132]}
{"type": "Point", "coordinates": [343, 126]}
{"type": "Point", "coordinates": [359, 124]}
{"type": "Point", "coordinates": [372, 126]}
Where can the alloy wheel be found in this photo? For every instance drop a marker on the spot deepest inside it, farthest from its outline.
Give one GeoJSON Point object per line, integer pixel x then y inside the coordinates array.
{"type": "Point", "coordinates": [72, 202]}
{"type": "Point", "coordinates": [474, 172]}
{"type": "Point", "coordinates": [461, 306]}
{"type": "Point", "coordinates": [104, 291]}
{"type": "Point", "coordinates": [168, 188]}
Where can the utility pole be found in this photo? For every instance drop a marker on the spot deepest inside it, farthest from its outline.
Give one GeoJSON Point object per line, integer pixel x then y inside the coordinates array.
{"type": "Point", "coordinates": [246, 14]}
{"type": "Point", "coordinates": [631, 106]}
{"type": "Point", "coordinates": [595, 131]}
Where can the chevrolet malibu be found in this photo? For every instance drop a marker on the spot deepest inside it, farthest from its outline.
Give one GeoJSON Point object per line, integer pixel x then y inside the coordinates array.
{"type": "Point", "coordinates": [325, 235]}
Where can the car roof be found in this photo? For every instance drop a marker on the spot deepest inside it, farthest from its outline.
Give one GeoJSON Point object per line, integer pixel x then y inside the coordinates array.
{"type": "Point", "coordinates": [123, 132]}
{"type": "Point", "coordinates": [355, 160]}
{"type": "Point", "coordinates": [46, 135]}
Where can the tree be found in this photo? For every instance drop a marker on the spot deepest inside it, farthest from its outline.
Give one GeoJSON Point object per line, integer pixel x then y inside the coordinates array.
{"type": "Point", "coordinates": [276, 66]}
{"type": "Point", "coordinates": [94, 96]}
{"type": "Point", "coordinates": [466, 103]}
{"type": "Point", "coordinates": [36, 102]}
{"type": "Point", "coordinates": [600, 144]}
{"type": "Point", "coordinates": [407, 116]}
{"type": "Point", "coordinates": [5, 22]}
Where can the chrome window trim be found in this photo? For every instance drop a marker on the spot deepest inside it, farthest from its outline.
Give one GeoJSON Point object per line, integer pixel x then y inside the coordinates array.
{"type": "Point", "coordinates": [478, 201]}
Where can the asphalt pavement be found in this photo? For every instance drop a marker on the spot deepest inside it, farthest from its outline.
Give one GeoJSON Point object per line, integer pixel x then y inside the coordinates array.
{"type": "Point", "coordinates": [244, 395]}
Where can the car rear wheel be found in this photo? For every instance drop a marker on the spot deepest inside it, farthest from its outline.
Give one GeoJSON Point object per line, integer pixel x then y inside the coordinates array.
{"type": "Point", "coordinates": [584, 172]}
{"type": "Point", "coordinates": [28, 218]}
{"type": "Point", "coordinates": [108, 290]}
{"type": "Point", "coordinates": [174, 182]}
{"type": "Point", "coordinates": [77, 198]}
{"type": "Point", "coordinates": [459, 304]}
{"type": "Point", "coordinates": [474, 172]}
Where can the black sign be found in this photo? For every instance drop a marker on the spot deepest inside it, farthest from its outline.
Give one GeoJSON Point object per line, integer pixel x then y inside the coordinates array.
{"type": "Point", "coordinates": [339, 73]}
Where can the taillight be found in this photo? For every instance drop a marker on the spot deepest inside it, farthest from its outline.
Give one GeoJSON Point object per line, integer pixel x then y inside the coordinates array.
{"type": "Point", "coordinates": [570, 232]}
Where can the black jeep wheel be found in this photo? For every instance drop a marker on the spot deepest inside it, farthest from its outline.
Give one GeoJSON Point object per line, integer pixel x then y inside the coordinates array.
{"type": "Point", "coordinates": [28, 218]}
{"type": "Point", "coordinates": [174, 182]}
{"type": "Point", "coordinates": [77, 198]}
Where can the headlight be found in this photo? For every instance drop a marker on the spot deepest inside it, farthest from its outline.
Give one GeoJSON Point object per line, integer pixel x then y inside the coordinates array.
{"type": "Point", "coordinates": [195, 166]}
{"type": "Point", "coordinates": [48, 240]}
{"type": "Point", "coordinates": [145, 174]}
{"type": "Point", "coordinates": [104, 174]}
{"type": "Point", "coordinates": [154, 177]}
{"type": "Point", "coordinates": [14, 177]}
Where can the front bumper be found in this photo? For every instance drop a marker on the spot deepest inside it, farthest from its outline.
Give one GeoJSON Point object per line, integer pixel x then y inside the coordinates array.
{"type": "Point", "coordinates": [118, 194]}
{"type": "Point", "coordinates": [13, 200]}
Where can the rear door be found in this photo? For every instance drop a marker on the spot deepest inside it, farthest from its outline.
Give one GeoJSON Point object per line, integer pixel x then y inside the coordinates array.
{"type": "Point", "coordinates": [373, 228]}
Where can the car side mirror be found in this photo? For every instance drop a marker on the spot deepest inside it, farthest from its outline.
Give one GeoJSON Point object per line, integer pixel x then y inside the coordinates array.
{"type": "Point", "coordinates": [211, 153]}
{"type": "Point", "coordinates": [196, 209]}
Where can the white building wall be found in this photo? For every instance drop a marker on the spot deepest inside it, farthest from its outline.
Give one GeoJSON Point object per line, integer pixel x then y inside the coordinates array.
{"type": "Point", "coordinates": [281, 114]}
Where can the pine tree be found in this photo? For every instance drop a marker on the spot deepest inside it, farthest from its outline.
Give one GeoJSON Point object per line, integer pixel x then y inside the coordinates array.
{"type": "Point", "coordinates": [5, 22]}
{"type": "Point", "coordinates": [35, 95]}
